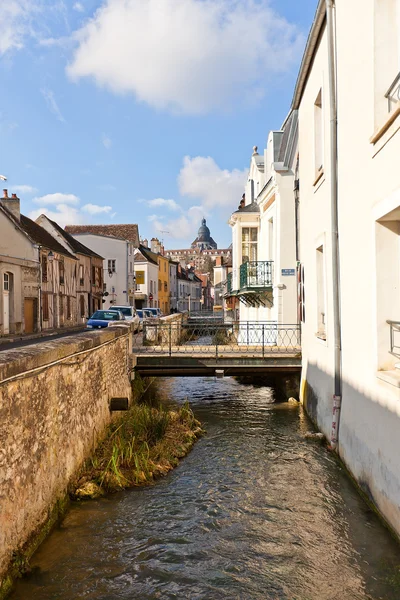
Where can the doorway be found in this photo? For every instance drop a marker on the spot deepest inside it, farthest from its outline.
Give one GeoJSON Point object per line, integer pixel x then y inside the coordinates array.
{"type": "Point", "coordinates": [29, 305]}
{"type": "Point", "coordinates": [6, 303]}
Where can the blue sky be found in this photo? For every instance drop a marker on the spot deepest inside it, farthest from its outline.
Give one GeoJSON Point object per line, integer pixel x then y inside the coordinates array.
{"type": "Point", "coordinates": [117, 111]}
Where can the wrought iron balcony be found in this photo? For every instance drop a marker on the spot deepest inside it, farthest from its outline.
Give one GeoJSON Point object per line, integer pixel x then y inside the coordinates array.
{"type": "Point", "coordinates": [256, 275]}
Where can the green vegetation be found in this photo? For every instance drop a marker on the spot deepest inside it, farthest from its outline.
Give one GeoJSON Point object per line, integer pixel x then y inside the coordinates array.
{"type": "Point", "coordinates": [145, 444]}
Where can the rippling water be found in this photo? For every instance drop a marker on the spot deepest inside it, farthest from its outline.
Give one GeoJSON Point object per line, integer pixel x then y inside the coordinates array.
{"type": "Point", "coordinates": [254, 512]}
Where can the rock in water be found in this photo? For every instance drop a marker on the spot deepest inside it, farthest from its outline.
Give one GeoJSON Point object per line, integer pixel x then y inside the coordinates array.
{"type": "Point", "coordinates": [88, 491]}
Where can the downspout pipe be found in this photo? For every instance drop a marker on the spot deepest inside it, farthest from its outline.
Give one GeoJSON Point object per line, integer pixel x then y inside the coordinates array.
{"type": "Point", "coordinates": [337, 398]}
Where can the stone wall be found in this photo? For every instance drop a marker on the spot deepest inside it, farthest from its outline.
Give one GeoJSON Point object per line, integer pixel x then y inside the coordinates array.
{"type": "Point", "coordinates": [54, 408]}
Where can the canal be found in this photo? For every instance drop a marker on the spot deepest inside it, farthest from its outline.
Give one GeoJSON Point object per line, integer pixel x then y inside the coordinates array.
{"type": "Point", "coordinates": [254, 512]}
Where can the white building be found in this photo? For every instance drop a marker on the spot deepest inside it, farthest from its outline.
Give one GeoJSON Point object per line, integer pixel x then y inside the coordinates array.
{"type": "Point", "coordinates": [146, 272]}
{"type": "Point", "coordinates": [264, 233]}
{"type": "Point", "coordinates": [353, 292]}
{"type": "Point", "coordinates": [116, 243]}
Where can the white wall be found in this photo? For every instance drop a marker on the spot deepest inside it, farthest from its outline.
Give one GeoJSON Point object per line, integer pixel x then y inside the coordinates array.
{"type": "Point", "coordinates": [111, 248]}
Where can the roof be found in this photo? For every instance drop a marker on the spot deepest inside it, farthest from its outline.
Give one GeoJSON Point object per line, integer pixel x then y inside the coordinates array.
{"type": "Point", "coordinates": [42, 237]}
{"type": "Point", "coordinates": [311, 45]}
{"type": "Point", "coordinates": [73, 242]}
{"type": "Point", "coordinates": [250, 208]}
{"type": "Point", "coordinates": [148, 254]}
{"type": "Point", "coordinates": [128, 231]}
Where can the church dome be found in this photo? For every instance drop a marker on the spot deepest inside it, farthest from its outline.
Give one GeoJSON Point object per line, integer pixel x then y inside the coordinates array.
{"type": "Point", "coordinates": [204, 233]}
{"type": "Point", "coordinates": [204, 240]}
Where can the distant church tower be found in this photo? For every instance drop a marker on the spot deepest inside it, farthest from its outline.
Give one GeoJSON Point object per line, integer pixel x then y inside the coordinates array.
{"type": "Point", "coordinates": [204, 240]}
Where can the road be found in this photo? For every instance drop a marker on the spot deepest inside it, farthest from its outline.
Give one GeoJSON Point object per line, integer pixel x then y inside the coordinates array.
{"type": "Point", "coordinates": [24, 342]}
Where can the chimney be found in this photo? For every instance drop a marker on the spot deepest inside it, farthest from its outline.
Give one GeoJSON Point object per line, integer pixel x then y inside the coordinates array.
{"type": "Point", "coordinates": [162, 250]}
{"type": "Point", "coordinates": [155, 245]}
{"type": "Point", "coordinates": [218, 261]}
{"type": "Point", "coordinates": [145, 243]}
{"type": "Point", "coordinates": [12, 204]}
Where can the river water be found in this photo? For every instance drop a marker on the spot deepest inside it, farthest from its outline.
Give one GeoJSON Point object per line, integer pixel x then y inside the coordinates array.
{"type": "Point", "coordinates": [254, 512]}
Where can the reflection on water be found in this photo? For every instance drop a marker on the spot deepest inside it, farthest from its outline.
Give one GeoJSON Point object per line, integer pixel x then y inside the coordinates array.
{"type": "Point", "coordinates": [254, 512]}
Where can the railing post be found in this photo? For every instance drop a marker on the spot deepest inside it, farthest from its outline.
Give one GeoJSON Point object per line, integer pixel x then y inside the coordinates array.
{"type": "Point", "coordinates": [247, 333]}
{"type": "Point", "coordinates": [263, 340]}
{"type": "Point", "coordinates": [170, 326]}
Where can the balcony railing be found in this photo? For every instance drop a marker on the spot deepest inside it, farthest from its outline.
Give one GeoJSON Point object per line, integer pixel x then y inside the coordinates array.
{"type": "Point", "coordinates": [393, 94]}
{"type": "Point", "coordinates": [256, 275]}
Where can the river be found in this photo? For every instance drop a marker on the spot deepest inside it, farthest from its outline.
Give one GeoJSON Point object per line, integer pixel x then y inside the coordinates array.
{"type": "Point", "coordinates": [254, 512]}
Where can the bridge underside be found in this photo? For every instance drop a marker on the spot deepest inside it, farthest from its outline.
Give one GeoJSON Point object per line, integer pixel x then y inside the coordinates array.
{"type": "Point", "coordinates": [191, 366]}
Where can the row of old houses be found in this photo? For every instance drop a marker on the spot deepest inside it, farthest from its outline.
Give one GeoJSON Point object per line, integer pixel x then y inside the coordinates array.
{"type": "Point", "coordinates": [49, 280]}
{"type": "Point", "coordinates": [316, 237]}
{"type": "Point", "coordinates": [54, 278]}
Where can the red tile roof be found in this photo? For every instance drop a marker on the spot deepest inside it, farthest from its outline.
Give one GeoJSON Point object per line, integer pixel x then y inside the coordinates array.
{"type": "Point", "coordinates": [129, 231]}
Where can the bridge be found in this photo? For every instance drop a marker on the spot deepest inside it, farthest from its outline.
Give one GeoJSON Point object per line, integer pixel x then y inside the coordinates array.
{"type": "Point", "coordinates": [213, 346]}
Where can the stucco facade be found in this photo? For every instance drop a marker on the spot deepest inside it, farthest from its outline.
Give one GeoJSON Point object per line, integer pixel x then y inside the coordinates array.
{"type": "Point", "coordinates": [368, 233]}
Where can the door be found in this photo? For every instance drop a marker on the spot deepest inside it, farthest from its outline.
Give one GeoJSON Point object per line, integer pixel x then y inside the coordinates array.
{"type": "Point", "coordinates": [6, 303]}
{"type": "Point", "coordinates": [28, 314]}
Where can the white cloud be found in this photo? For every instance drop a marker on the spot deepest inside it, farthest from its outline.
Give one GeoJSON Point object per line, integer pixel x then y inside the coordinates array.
{"type": "Point", "coordinates": [170, 204]}
{"type": "Point", "coordinates": [188, 56]}
{"type": "Point", "coordinates": [48, 95]}
{"type": "Point", "coordinates": [15, 23]}
{"type": "Point", "coordinates": [201, 177]}
{"type": "Point", "coordinates": [24, 189]}
{"type": "Point", "coordinates": [57, 198]}
{"type": "Point", "coordinates": [78, 7]}
{"type": "Point", "coordinates": [95, 209]}
{"type": "Point", "coordinates": [63, 214]}
{"type": "Point", "coordinates": [106, 141]}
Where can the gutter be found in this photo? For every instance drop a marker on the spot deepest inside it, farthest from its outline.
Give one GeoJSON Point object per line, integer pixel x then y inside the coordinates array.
{"type": "Point", "coordinates": [337, 398]}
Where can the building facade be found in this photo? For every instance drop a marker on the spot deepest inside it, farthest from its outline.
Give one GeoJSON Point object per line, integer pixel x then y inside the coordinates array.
{"type": "Point", "coordinates": [264, 266]}
{"type": "Point", "coordinates": [202, 253]}
{"type": "Point", "coordinates": [116, 243]}
{"type": "Point", "coordinates": [350, 238]}
{"type": "Point", "coordinates": [146, 272]}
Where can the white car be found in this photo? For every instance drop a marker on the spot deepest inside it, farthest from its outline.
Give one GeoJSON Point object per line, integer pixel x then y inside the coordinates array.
{"type": "Point", "coordinates": [129, 313]}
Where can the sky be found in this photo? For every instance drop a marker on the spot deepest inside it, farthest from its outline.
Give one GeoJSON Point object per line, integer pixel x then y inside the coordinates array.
{"type": "Point", "coordinates": [143, 111]}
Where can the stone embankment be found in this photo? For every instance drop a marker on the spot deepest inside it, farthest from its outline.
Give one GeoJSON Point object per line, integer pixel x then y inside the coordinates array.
{"type": "Point", "coordinates": [54, 409]}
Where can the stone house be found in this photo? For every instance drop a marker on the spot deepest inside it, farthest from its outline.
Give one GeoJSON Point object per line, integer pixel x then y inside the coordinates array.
{"type": "Point", "coordinates": [89, 282]}
{"type": "Point", "coordinates": [38, 274]}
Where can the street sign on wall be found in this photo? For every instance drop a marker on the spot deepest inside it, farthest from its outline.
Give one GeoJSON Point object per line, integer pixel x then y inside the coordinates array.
{"type": "Point", "coordinates": [288, 272]}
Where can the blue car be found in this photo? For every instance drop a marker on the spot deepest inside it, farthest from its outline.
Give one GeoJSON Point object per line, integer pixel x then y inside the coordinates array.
{"type": "Point", "coordinates": [104, 318]}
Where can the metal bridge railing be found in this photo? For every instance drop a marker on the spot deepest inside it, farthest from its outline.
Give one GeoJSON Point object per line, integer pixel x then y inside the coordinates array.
{"type": "Point", "coordinates": [217, 338]}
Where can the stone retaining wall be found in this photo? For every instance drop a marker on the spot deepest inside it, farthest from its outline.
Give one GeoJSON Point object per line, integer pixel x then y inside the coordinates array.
{"type": "Point", "coordinates": [54, 408]}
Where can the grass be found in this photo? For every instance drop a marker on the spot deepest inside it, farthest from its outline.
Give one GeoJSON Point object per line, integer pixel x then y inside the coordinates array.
{"type": "Point", "coordinates": [145, 444]}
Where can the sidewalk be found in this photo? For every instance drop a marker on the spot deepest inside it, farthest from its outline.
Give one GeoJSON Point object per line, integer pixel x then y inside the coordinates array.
{"type": "Point", "coordinates": [19, 337]}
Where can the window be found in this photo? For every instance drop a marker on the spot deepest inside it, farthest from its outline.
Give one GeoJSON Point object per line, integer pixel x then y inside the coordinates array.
{"type": "Point", "coordinates": [249, 244]}
{"type": "Point", "coordinates": [271, 239]}
{"type": "Point", "coordinates": [45, 307]}
{"type": "Point", "coordinates": [100, 276]}
{"type": "Point", "coordinates": [6, 283]}
{"type": "Point", "coordinates": [81, 279]}
{"type": "Point", "coordinates": [165, 286]}
{"type": "Point", "coordinates": [62, 271]}
{"type": "Point", "coordinates": [165, 267]}
{"type": "Point", "coordinates": [318, 136]}
{"type": "Point", "coordinates": [321, 316]}
{"type": "Point", "coordinates": [159, 285]}
{"type": "Point", "coordinates": [44, 269]}
{"type": "Point", "coordinates": [61, 305]}
{"type": "Point", "coordinates": [111, 265]}
{"type": "Point", "coordinates": [94, 275]}
{"type": "Point", "coordinates": [82, 306]}
{"type": "Point", "coordinates": [69, 307]}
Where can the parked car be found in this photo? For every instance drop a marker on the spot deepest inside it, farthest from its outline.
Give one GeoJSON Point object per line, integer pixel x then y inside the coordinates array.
{"type": "Point", "coordinates": [156, 312]}
{"type": "Point", "coordinates": [129, 313]}
{"type": "Point", "coordinates": [144, 315]}
{"type": "Point", "coordinates": [104, 318]}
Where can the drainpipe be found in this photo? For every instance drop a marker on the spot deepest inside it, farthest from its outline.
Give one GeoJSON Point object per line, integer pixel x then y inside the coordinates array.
{"type": "Point", "coordinates": [337, 398]}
